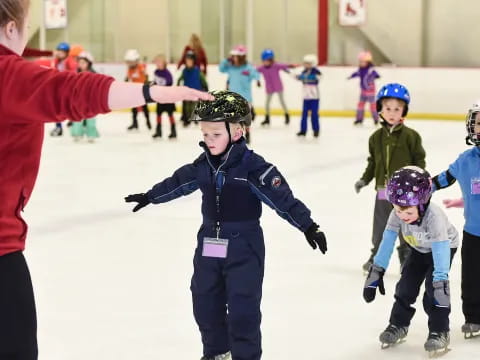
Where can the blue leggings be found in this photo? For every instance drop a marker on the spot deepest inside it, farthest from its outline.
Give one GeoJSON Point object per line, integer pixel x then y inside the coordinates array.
{"type": "Point", "coordinates": [312, 106]}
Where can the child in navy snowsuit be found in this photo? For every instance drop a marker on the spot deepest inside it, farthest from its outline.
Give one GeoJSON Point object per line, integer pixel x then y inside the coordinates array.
{"type": "Point", "coordinates": [229, 258]}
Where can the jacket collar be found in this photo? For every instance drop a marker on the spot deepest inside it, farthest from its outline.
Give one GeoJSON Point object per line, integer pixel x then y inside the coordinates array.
{"type": "Point", "coordinates": [231, 157]}
{"type": "Point", "coordinates": [6, 51]}
{"type": "Point", "coordinates": [389, 129]}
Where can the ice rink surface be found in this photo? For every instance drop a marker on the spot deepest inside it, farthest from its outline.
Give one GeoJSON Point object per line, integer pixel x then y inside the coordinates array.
{"type": "Point", "coordinates": [113, 285]}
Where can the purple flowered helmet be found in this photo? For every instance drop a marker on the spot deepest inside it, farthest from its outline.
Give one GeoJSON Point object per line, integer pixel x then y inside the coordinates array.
{"type": "Point", "coordinates": [409, 186]}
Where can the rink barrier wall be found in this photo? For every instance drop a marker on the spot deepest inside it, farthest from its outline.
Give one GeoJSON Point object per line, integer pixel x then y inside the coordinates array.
{"type": "Point", "coordinates": [436, 93]}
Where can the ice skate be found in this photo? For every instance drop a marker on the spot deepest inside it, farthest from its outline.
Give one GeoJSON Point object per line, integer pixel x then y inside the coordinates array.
{"type": "Point", "coordinates": [158, 132]}
{"type": "Point", "coordinates": [470, 330]}
{"type": "Point", "coordinates": [301, 133]}
{"type": "Point", "coordinates": [173, 132]}
{"type": "Point", "coordinates": [393, 335]}
{"type": "Point", "coordinates": [287, 118]}
{"type": "Point", "coordinates": [226, 356]}
{"type": "Point", "coordinates": [58, 131]}
{"type": "Point", "coordinates": [134, 126]}
{"type": "Point", "coordinates": [316, 133]}
{"type": "Point", "coordinates": [437, 343]}
{"type": "Point", "coordinates": [358, 122]}
{"type": "Point", "coordinates": [266, 121]}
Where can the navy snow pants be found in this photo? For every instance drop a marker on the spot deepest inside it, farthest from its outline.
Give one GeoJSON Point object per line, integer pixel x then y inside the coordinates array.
{"type": "Point", "coordinates": [227, 292]}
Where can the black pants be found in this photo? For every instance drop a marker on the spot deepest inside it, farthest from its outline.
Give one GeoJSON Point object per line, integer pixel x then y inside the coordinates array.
{"type": "Point", "coordinates": [471, 278]}
{"type": "Point", "coordinates": [381, 212]}
{"type": "Point", "coordinates": [145, 111]}
{"type": "Point", "coordinates": [418, 268]}
{"type": "Point", "coordinates": [18, 321]}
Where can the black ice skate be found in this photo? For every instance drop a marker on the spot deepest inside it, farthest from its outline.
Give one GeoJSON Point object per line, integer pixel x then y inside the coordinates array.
{"type": "Point", "coordinates": [437, 343]}
{"type": "Point", "coordinates": [393, 335]}
{"type": "Point", "coordinates": [134, 125]}
{"type": "Point", "coordinates": [226, 356]}
{"type": "Point", "coordinates": [470, 330]}
{"type": "Point", "coordinates": [301, 133]}
{"type": "Point", "coordinates": [316, 133]}
{"type": "Point", "coordinates": [358, 122]}
{"type": "Point", "coordinates": [266, 121]}
{"type": "Point", "coordinates": [287, 118]}
{"type": "Point", "coordinates": [158, 132]}
{"type": "Point", "coordinates": [173, 132]}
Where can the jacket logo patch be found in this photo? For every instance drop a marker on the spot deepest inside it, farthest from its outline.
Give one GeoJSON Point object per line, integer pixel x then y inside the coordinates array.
{"type": "Point", "coordinates": [276, 182]}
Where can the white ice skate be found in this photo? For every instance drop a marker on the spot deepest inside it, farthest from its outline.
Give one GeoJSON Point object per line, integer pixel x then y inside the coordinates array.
{"type": "Point", "coordinates": [393, 335]}
{"type": "Point", "coordinates": [226, 356]}
{"type": "Point", "coordinates": [471, 330]}
{"type": "Point", "coordinates": [437, 344]}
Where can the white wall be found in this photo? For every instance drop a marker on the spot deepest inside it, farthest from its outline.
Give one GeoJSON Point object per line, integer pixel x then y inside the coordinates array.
{"type": "Point", "coordinates": [433, 90]}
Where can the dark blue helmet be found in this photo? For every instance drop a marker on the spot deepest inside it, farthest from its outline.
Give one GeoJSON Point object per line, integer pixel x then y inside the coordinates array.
{"type": "Point", "coordinates": [395, 91]}
{"type": "Point", "coordinates": [63, 46]}
{"type": "Point", "coordinates": [267, 54]}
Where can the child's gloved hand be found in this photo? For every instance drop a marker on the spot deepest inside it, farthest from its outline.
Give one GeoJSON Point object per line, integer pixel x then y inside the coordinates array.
{"type": "Point", "coordinates": [441, 293]}
{"type": "Point", "coordinates": [315, 238]}
{"type": "Point", "coordinates": [141, 199]}
{"type": "Point", "coordinates": [358, 185]}
{"type": "Point", "coordinates": [457, 203]}
{"type": "Point", "coordinates": [374, 280]}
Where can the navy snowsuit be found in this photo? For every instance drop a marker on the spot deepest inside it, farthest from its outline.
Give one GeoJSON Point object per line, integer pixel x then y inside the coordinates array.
{"type": "Point", "coordinates": [233, 188]}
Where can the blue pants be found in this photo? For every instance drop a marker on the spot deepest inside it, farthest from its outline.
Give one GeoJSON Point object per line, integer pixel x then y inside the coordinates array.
{"type": "Point", "coordinates": [312, 106]}
{"type": "Point", "coordinates": [234, 283]}
{"type": "Point", "coordinates": [418, 268]}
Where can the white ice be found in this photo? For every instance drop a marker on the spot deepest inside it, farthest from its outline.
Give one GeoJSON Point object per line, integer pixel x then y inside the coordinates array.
{"type": "Point", "coordinates": [113, 285]}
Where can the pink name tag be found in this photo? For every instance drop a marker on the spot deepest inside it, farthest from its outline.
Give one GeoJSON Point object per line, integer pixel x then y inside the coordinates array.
{"type": "Point", "coordinates": [213, 247]}
{"type": "Point", "coordinates": [475, 183]}
{"type": "Point", "coordinates": [382, 194]}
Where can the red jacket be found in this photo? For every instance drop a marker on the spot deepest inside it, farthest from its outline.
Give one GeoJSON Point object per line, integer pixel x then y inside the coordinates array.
{"type": "Point", "coordinates": [31, 95]}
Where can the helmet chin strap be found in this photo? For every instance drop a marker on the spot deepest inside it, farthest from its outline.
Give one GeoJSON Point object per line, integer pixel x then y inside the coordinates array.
{"type": "Point", "coordinates": [422, 208]}
{"type": "Point", "coordinates": [227, 125]}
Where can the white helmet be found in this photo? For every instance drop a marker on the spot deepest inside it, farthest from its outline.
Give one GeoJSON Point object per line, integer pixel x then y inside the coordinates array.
{"type": "Point", "coordinates": [86, 55]}
{"type": "Point", "coordinates": [310, 59]}
{"type": "Point", "coordinates": [132, 55]}
{"type": "Point", "coordinates": [472, 136]}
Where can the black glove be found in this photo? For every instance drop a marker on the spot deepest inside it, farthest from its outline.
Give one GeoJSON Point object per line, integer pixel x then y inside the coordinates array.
{"type": "Point", "coordinates": [141, 199]}
{"type": "Point", "coordinates": [374, 280]}
{"type": "Point", "coordinates": [315, 238]}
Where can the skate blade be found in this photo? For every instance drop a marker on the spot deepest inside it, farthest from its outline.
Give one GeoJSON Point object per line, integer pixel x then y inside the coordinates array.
{"type": "Point", "coordinates": [386, 345]}
{"type": "Point", "coordinates": [434, 354]}
{"type": "Point", "coordinates": [471, 335]}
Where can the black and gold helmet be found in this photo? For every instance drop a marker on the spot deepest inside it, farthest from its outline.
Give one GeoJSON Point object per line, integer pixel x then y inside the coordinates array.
{"type": "Point", "coordinates": [228, 106]}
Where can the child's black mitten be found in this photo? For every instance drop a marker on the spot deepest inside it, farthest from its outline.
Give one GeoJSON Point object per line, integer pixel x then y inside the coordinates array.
{"type": "Point", "coordinates": [315, 238]}
{"type": "Point", "coordinates": [141, 199]}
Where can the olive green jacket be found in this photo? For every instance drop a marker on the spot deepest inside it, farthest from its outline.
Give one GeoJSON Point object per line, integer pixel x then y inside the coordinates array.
{"type": "Point", "coordinates": [391, 149]}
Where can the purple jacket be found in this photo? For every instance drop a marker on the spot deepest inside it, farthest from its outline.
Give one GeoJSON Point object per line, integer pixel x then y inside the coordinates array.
{"type": "Point", "coordinates": [163, 77]}
{"type": "Point", "coordinates": [367, 77]}
{"type": "Point", "coordinates": [271, 74]}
